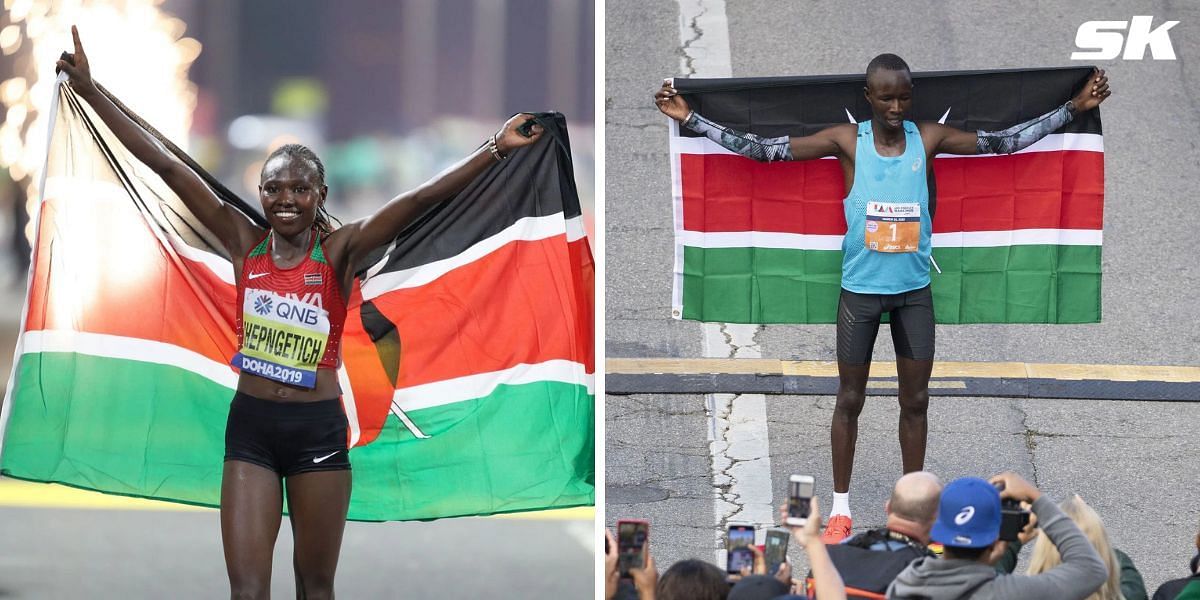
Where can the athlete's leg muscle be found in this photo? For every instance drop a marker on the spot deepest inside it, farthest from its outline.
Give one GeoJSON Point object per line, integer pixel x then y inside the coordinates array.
{"type": "Point", "coordinates": [857, 326]}
{"type": "Point", "coordinates": [914, 406]}
{"type": "Point", "coordinates": [317, 502]}
{"type": "Point", "coordinates": [843, 432]}
{"type": "Point", "coordinates": [913, 334]}
{"type": "Point", "coordinates": [251, 510]}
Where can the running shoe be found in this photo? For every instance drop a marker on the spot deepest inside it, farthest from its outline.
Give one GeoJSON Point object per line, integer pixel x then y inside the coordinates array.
{"type": "Point", "coordinates": [836, 530]}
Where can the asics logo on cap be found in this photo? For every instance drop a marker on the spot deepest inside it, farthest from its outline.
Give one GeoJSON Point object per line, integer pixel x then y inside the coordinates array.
{"type": "Point", "coordinates": [964, 515]}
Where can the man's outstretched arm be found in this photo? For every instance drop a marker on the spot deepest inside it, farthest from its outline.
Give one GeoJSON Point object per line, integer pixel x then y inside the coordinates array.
{"type": "Point", "coordinates": [823, 143]}
{"type": "Point", "coordinates": [1022, 135]}
{"type": "Point", "coordinates": [747, 144]}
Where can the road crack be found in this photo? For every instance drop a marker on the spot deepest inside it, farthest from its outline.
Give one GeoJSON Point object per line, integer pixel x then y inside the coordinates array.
{"type": "Point", "coordinates": [689, 68]}
{"type": "Point", "coordinates": [1031, 436]}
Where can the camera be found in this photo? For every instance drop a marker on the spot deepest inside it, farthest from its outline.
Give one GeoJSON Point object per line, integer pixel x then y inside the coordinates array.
{"type": "Point", "coordinates": [1013, 518]}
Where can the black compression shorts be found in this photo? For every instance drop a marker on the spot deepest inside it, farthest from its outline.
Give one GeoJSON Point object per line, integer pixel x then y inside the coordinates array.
{"type": "Point", "coordinates": [287, 437]}
{"type": "Point", "coordinates": [911, 315]}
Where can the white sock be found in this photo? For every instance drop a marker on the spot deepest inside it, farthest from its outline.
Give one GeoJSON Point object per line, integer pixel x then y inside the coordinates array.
{"type": "Point", "coordinates": [841, 504]}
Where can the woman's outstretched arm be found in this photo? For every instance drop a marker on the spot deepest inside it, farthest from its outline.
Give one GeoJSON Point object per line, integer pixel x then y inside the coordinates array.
{"type": "Point", "coordinates": [364, 235]}
{"type": "Point", "coordinates": [236, 232]}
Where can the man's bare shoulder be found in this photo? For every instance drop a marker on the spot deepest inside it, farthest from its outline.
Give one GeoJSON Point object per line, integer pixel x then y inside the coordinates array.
{"type": "Point", "coordinates": [842, 129]}
{"type": "Point", "coordinates": [936, 127]}
{"type": "Point", "coordinates": [842, 133]}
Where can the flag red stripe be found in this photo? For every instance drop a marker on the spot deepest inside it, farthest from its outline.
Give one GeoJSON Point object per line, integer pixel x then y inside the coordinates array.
{"type": "Point", "coordinates": [504, 301]}
{"type": "Point", "coordinates": [113, 277]}
{"type": "Point", "coordinates": [1036, 190]}
{"type": "Point", "coordinates": [477, 318]}
{"type": "Point", "coordinates": [516, 305]}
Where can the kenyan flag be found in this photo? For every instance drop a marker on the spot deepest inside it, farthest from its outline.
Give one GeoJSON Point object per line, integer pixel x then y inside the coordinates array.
{"type": "Point", "coordinates": [468, 345]}
{"type": "Point", "coordinates": [1017, 237]}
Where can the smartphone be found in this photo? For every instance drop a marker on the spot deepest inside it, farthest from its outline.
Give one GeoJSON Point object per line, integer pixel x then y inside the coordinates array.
{"type": "Point", "coordinates": [775, 552]}
{"type": "Point", "coordinates": [800, 493]}
{"type": "Point", "coordinates": [632, 535]}
{"type": "Point", "coordinates": [738, 539]}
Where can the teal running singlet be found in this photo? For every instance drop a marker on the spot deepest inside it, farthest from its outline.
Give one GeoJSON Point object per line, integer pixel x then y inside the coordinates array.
{"type": "Point", "coordinates": [889, 234]}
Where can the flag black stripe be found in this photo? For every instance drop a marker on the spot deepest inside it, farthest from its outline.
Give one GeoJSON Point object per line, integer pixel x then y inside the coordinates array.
{"type": "Point", "coordinates": [535, 181]}
{"type": "Point", "coordinates": [796, 106]}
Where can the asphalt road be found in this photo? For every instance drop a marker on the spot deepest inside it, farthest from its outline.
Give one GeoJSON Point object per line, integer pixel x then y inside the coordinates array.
{"type": "Point", "coordinates": [1134, 462]}
{"type": "Point", "coordinates": [51, 553]}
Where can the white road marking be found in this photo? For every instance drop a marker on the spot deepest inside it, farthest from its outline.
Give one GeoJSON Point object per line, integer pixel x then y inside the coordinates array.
{"type": "Point", "coordinates": [737, 425]}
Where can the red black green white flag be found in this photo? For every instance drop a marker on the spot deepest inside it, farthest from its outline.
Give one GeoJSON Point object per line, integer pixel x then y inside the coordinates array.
{"type": "Point", "coordinates": [468, 345]}
{"type": "Point", "coordinates": [1017, 237]}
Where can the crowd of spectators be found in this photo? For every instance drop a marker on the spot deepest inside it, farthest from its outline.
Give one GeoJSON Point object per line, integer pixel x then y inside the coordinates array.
{"type": "Point", "coordinates": [938, 543]}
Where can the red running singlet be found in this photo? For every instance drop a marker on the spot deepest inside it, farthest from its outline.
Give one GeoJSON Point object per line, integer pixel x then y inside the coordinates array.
{"type": "Point", "coordinates": [286, 315]}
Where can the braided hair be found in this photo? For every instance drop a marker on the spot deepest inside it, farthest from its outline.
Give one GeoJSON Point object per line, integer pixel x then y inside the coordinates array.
{"type": "Point", "coordinates": [301, 151]}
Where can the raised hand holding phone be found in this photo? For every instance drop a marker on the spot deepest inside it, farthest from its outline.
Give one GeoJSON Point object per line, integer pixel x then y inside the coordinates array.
{"type": "Point", "coordinates": [738, 541]}
{"type": "Point", "coordinates": [611, 574]}
{"type": "Point", "coordinates": [800, 493]}
{"type": "Point", "coordinates": [776, 549]}
{"type": "Point", "coordinates": [632, 537]}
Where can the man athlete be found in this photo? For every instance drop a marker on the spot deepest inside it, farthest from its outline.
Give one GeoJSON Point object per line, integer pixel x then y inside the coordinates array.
{"type": "Point", "coordinates": [887, 165]}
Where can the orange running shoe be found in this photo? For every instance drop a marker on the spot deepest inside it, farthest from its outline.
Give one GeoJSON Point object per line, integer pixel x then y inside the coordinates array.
{"type": "Point", "coordinates": [836, 530]}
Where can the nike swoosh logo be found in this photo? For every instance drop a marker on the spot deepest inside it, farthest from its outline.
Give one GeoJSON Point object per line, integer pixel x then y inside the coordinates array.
{"type": "Point", "coordinates": [317, 460]}
{"type": "Point", "coordinates": [257, 275]}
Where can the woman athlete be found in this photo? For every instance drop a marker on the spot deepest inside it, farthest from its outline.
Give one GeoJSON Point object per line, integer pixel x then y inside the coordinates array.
{"type": "Point", "coordinates": [286, 422]}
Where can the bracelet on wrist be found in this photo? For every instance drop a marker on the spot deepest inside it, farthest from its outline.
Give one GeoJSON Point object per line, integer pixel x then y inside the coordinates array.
{"type": "Point", "coordinates": [494, 148]}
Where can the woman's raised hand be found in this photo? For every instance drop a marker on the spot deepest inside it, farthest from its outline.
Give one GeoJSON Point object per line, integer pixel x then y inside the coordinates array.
{"type": "Point", "coordinates": [509, 139]}
{"type": "Point", "coordinates": [80, 73]}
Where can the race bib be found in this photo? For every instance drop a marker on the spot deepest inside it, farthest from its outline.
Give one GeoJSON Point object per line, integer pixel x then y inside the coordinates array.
{"type": "Point", "coordinates": [283, 338]}
{"type": "Point", "coordinates": [893, 227]}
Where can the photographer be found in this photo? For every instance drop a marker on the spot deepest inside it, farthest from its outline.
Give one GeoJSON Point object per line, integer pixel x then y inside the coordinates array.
{"type": "Point", "coordinates": [1124, 580]}
{"type": "Point", "coordinates": [871, 560]}
{"type": "Point", "coordinates": [968, 526]}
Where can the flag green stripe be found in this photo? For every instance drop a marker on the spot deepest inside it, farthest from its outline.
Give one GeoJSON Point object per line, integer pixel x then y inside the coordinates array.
{"type": "Point", "coordinates": [157, 431]}
{"type": "Point", "coordinates": [532, 450]}
{"type": "Point", "coordinates": [1007, 284]}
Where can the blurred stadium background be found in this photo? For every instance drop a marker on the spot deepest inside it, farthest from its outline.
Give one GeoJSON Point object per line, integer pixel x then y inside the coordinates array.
{"type": "Point", "coordinates": [387, 93]}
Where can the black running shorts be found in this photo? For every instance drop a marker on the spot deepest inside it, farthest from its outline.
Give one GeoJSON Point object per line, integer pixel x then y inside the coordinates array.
{"type": "Point", "coordinates": [911, 315]}
{"type": "Point", "coordinates": [287, 437]}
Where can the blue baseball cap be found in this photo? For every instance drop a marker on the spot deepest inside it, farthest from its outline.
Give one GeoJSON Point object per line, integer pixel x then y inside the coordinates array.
{"type": "Point", "coordinates": [968, 514]}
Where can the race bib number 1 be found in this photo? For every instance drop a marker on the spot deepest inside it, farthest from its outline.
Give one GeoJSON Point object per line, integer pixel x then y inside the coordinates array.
{"type": "Point", "coordinates": [893, 227]}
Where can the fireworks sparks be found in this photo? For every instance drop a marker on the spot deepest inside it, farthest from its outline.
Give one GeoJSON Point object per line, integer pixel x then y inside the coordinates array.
{"type": "Point", "coordinates": [136, 51]}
